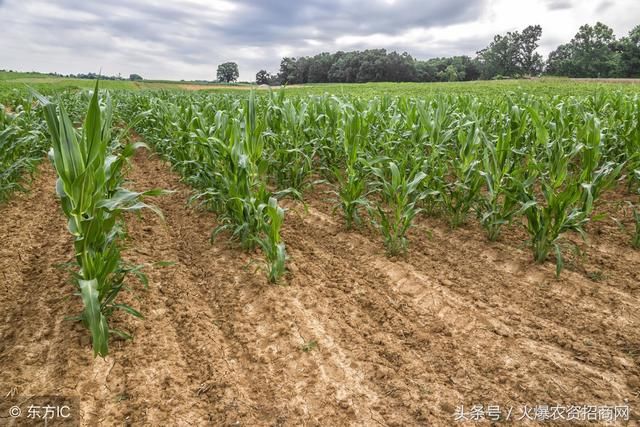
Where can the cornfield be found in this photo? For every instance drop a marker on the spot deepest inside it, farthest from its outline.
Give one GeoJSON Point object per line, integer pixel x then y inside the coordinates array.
{"type": "Point", "coordinates": [541, 163]}
{"type": "Point", "coordinates": [22, 144]}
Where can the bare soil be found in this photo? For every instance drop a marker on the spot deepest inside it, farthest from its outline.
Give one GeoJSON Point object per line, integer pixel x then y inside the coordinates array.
{"type": "Point", "coordinates": [608, 80]}
{"type": "Point", "coordinates": [214, 86]}
{"type": "Point", "coordinates": [350, 338]}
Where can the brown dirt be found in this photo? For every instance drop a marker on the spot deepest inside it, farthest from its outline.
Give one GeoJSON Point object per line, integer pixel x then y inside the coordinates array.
{"type": "Point", "coordinates": [608, 80]}
{"type": "Point", "coordinates": [351, 338]}
{"type": "Point", "coordinates": [205, 87]}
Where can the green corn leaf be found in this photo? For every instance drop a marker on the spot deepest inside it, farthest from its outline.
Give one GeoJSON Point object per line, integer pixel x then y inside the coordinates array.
{"type": "Point", "coordinates": [94, 318]}
{"type": "Point", "coordinates": [128, 309]}
{"type": "Point", "coordinates": [71, 158]}
{"type": "Point", "coordinates": [93, 141]}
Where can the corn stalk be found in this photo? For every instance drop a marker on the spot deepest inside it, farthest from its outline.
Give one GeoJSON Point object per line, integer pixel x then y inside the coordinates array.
{"type": "Point", "coordinates": [90, 192]}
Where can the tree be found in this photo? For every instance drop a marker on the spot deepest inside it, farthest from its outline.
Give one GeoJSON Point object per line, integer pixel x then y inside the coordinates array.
{"type": "Point", "coordinates": [319, 68]}
{"type": "Point", "coordinates": [591, 53]}
{"type": "Point", "coordinates": [262, 77]}
{"type": "Point", "coordinates": [500, 57]}
{"type": "Point", "coordinates": [345, 69]}
{"type": "Point", "coordinates": [630, 53]}
{"type": "Point", "coordinates": [288, 71]}
{"type": "Point", "coordinates": [513, 54]}
{"type": "Point", "coordinates": [135, 77]}
{"type": "Point", "coordinates": [373, 64]}
{"type": "Point", "coordinates": [450, 74]}
{"type": "Point", "coordinates": [560, 62]}
{"type": "Point", "coordinates": [529, 61]}
{"type": "Point", "coordinates": [228, 72]}
{"type": "Point", "coordinates": [400, 68]}
{"type": "Point", "coordinates": [426, 71]}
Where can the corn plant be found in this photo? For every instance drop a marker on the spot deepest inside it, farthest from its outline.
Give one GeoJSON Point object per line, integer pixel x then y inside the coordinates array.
{"type": "Point", "coordinates": [272, 217]}
{"type": "Point", "coordinates": [595, 175]}
{"type": "Point", "coordinates": [89, 188]}
{"type": "Point", "coordinates": [236, 188]}
{"type": "Point", "coordinates": [550, 218]}
{"type": "Point", "coordinates": [635, 241]}
{"type": "Point", "coordinates": [460, 190]}
{"type": "Point", "coordinates": [291, 151]}
{"type": "Point", "coordinates": [236, 193]}
{"type": "Point", "coordinates": [556, 208]}
{"type": "Point", "coordinates": [500, 170]}
{"type": "Point", "coordinates": [543, 159]}
{"type": "Point", "coordinates": [219, 148]}
{"type": "Point", "coordinates": [326, 113]}
{"type": "Point", "coordinates": [350, 183]}
{"type": "Point", "coordinates": [399, 192]}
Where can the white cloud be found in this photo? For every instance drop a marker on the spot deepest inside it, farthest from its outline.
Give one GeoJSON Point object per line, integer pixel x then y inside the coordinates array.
{"type": "Point", "coordinates": [186, 39]}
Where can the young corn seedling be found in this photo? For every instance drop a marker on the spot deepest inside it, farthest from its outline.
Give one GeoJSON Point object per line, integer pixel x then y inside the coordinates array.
{"type": "Point", "coordinates": [93, 201]}
{"type": "Point", "coordinates": [270, 242]}
{"type": "Point", "coordinates": [557, 209]}
{"type": "Point", "coordinates": [595, 175]}
{"type": "Point", "coordinates": [500, 169]}
{"type": "Point", "coordinates": [22, 145]}
{"type": "Point", "coordinates": [237, 188]}
{"type": "Point", "coordinates": [461, 190]}
{"type": "Point", "coordinates": [350, 182]}
{"type": "Point", "coordinates": [400, 192]}
{"type": "Point", "coordinates": [291, 151]}
{"type": "Point", "coordinates": [549, 219]}
{"type": "Point", "coordinates": [351, 194]}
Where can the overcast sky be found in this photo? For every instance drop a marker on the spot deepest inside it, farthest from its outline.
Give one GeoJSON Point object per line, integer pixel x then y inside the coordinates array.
{"type": "Point", "coordinates": [186, 39]}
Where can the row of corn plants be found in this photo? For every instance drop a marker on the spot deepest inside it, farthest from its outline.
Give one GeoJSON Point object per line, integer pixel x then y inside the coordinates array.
{"type": "Point", "coordinates": [89, 162]}
{"type": "Point", "coordinates": [219, 148]}
{"type": "Point", "coordinates": [539, 162]}
{"type": "Point", "coordinates": [24, 139]}
{"type": "Point", "coordinates": [23, 143]}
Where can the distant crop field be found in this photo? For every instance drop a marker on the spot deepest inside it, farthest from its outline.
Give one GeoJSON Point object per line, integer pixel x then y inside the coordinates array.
{"type": "Point", "coordinates": [321, 254]}
{"type": "Point", "coordinates": [543, 86]}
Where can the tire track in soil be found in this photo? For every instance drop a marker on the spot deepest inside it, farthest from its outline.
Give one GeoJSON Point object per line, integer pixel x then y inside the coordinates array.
{"type": "Point", "coordinates": [398, 342]}
{"type": "Point", "coordinates": [383, 337]}
{"type": "Point", "coordinates": [552, 355]}
{"type": "Point", "coordinates": [195, 377]}
{"type": "Point", "coordinates": [239, 338]}
{"type": "Point", "coordinates": [40, 352]}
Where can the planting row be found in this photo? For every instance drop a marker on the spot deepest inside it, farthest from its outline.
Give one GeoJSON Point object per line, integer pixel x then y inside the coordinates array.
{"type": "Point", "coordinates": [541, 162]}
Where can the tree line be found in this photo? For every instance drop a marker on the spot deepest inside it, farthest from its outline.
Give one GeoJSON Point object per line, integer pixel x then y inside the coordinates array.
{"type": "Point", "coordinates": [593, 52]}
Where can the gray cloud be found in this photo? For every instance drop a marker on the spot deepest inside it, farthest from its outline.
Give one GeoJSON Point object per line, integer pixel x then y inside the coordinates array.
{"type": "Point", "coordinates": [604, 6]}
{"type": "Point", "coordinates": [559, 4]}
{"type": "Point", "coordinates": [278, 21]}
{"type": "Point", "coordinates": [193, 33]}
{"type": "Point", "coordinates": [188, 38]}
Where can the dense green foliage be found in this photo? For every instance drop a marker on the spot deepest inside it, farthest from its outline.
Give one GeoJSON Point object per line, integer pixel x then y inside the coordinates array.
{"type": "Point", "coordinates": [373, 65]}
{"type": "Point", "coordinates": [228, 72]}
{"type": "Point", "coordinates": [539, 161]}
{"type": "Point", "coordinates": [23, 143]}
{"type": "Point", "coordinates": [594, 52]}
{"type": "Point", "coordinates": [513, 54]}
